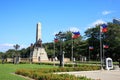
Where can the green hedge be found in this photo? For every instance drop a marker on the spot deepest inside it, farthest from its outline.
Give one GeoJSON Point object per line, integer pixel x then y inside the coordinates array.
{"type": "Point", "coordinates": [47, 73]}
{"type": "Point", "coordinates": [48, 76]}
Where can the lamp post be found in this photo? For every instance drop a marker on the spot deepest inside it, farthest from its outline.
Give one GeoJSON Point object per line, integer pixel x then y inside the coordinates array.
{"type": "Point", "coordinates": [61, 36]}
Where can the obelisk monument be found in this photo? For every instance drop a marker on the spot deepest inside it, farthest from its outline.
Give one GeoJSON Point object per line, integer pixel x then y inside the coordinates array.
{"type": "Point", "coordinates": [38, 32]}
{"type": "Point", "coordinates": [39, 53]}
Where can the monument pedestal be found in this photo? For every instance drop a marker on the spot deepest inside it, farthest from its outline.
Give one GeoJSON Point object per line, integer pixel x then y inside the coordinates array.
{"type": "Point", "coordinates": [39, 55]}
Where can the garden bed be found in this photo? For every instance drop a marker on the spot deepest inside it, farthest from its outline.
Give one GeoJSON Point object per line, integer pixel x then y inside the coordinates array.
{"type": "Point", "coordinates": [47, 73]}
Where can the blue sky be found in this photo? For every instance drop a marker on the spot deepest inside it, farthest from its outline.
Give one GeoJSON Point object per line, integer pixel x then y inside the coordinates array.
{"type": "Point", "coordinates": [18, 18]}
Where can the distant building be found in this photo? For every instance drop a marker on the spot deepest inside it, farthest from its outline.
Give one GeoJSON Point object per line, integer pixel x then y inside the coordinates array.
{"type": "Point", "coordinates": [116, 21]}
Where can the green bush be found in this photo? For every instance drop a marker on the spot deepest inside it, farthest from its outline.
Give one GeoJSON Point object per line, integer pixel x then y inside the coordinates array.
{"type": "Point", "coordinates": [47, 73]}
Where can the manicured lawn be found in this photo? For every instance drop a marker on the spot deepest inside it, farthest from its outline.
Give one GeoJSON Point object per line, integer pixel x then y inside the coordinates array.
{"type": "Point", "coordinates": [6, 70]}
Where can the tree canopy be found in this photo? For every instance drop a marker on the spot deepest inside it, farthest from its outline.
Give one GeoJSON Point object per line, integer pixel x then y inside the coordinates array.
{"type": "Point", "coordinates": [80, 45]}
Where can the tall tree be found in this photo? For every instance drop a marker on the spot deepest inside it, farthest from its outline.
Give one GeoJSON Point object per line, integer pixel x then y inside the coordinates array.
{"type": "Point", "coordinates": [111, 38]}
{"type": "Point", "coordinates": [10, 53]}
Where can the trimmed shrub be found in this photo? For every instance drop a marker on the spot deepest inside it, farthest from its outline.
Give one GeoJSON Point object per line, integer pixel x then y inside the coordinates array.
{"type": "Point", "coordinates": [47, 73]}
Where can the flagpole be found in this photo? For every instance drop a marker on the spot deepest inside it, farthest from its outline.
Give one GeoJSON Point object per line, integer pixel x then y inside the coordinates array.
{"type": "Point", "coordinates": [72, 53]}
{"type": "Point", "coordinates": [54, 52]}
{"type": "Point", "coordinates": [89, 55]}
{"type": "Point", "coordinates": [74, 36]}
{"type": "Point", "coordinates": [103, 54]}
{"type": "Point", "coordinates": [101, 50]}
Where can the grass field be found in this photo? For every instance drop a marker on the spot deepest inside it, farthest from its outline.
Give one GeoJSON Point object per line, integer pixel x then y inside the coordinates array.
{"type": "Point", "coordinates": [6, 70]}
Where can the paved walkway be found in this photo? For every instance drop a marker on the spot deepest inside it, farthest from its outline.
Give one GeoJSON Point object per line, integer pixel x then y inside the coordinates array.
{"type": "Point", "coordinates": [98, 75]}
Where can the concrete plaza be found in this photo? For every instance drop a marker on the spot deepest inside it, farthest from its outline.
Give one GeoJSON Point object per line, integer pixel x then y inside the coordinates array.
{"type": "Point", "coordinates": [99, 74]}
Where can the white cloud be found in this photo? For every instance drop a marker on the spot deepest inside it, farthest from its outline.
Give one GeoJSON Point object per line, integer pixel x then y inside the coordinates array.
{"type": "Point", "coordinates": [54, 33]}
{"type": "Point", "coordinates": [106, 12]}
{"type": "Point", "coordinates": [7, 46]}
{"type": "Point", "coordinates": [23, 46]}
{"type": "Point", "coordinates": [74, 29]}
{"type": "Point", "coordinates": [97, 22]}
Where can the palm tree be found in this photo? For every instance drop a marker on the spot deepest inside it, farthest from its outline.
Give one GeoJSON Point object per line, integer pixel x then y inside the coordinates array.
{"type": "Point", "coordinates": [16, 47]}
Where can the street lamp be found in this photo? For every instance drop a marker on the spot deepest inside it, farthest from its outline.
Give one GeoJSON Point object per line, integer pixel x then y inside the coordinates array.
{"type": "Point", "coordinates": [61, 36]}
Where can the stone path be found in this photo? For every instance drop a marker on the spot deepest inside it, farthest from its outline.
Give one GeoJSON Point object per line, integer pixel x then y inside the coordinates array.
{"type": "Point", "coordinates": [98, 75]}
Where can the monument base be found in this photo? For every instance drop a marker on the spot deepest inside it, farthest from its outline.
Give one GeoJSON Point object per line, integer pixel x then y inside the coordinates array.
{"type": "Point", "coordinates": [39, 55]}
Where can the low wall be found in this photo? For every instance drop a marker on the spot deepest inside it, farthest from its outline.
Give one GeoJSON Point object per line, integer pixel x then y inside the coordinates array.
{"type": "Point", "coordinates": [34, 60]}
{"type": "Point", "coordinates": [24, 60]}
{"type": "Point", "coordinates": [9, 59]}
{"type": "Point", "coordinates": [66, 59]}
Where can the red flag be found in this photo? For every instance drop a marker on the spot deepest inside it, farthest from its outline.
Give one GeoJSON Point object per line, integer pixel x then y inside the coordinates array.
{"type": "Point", "coordinates": [75, 35]}
{"type": "Point", "coordinates": [105, 46]}
{"type": "Point", "coordinates": [91, 47]}
{"type": "Point", "coordinates": [104, 28]}
{"type": "Point", "coordinates": [56, 40]}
